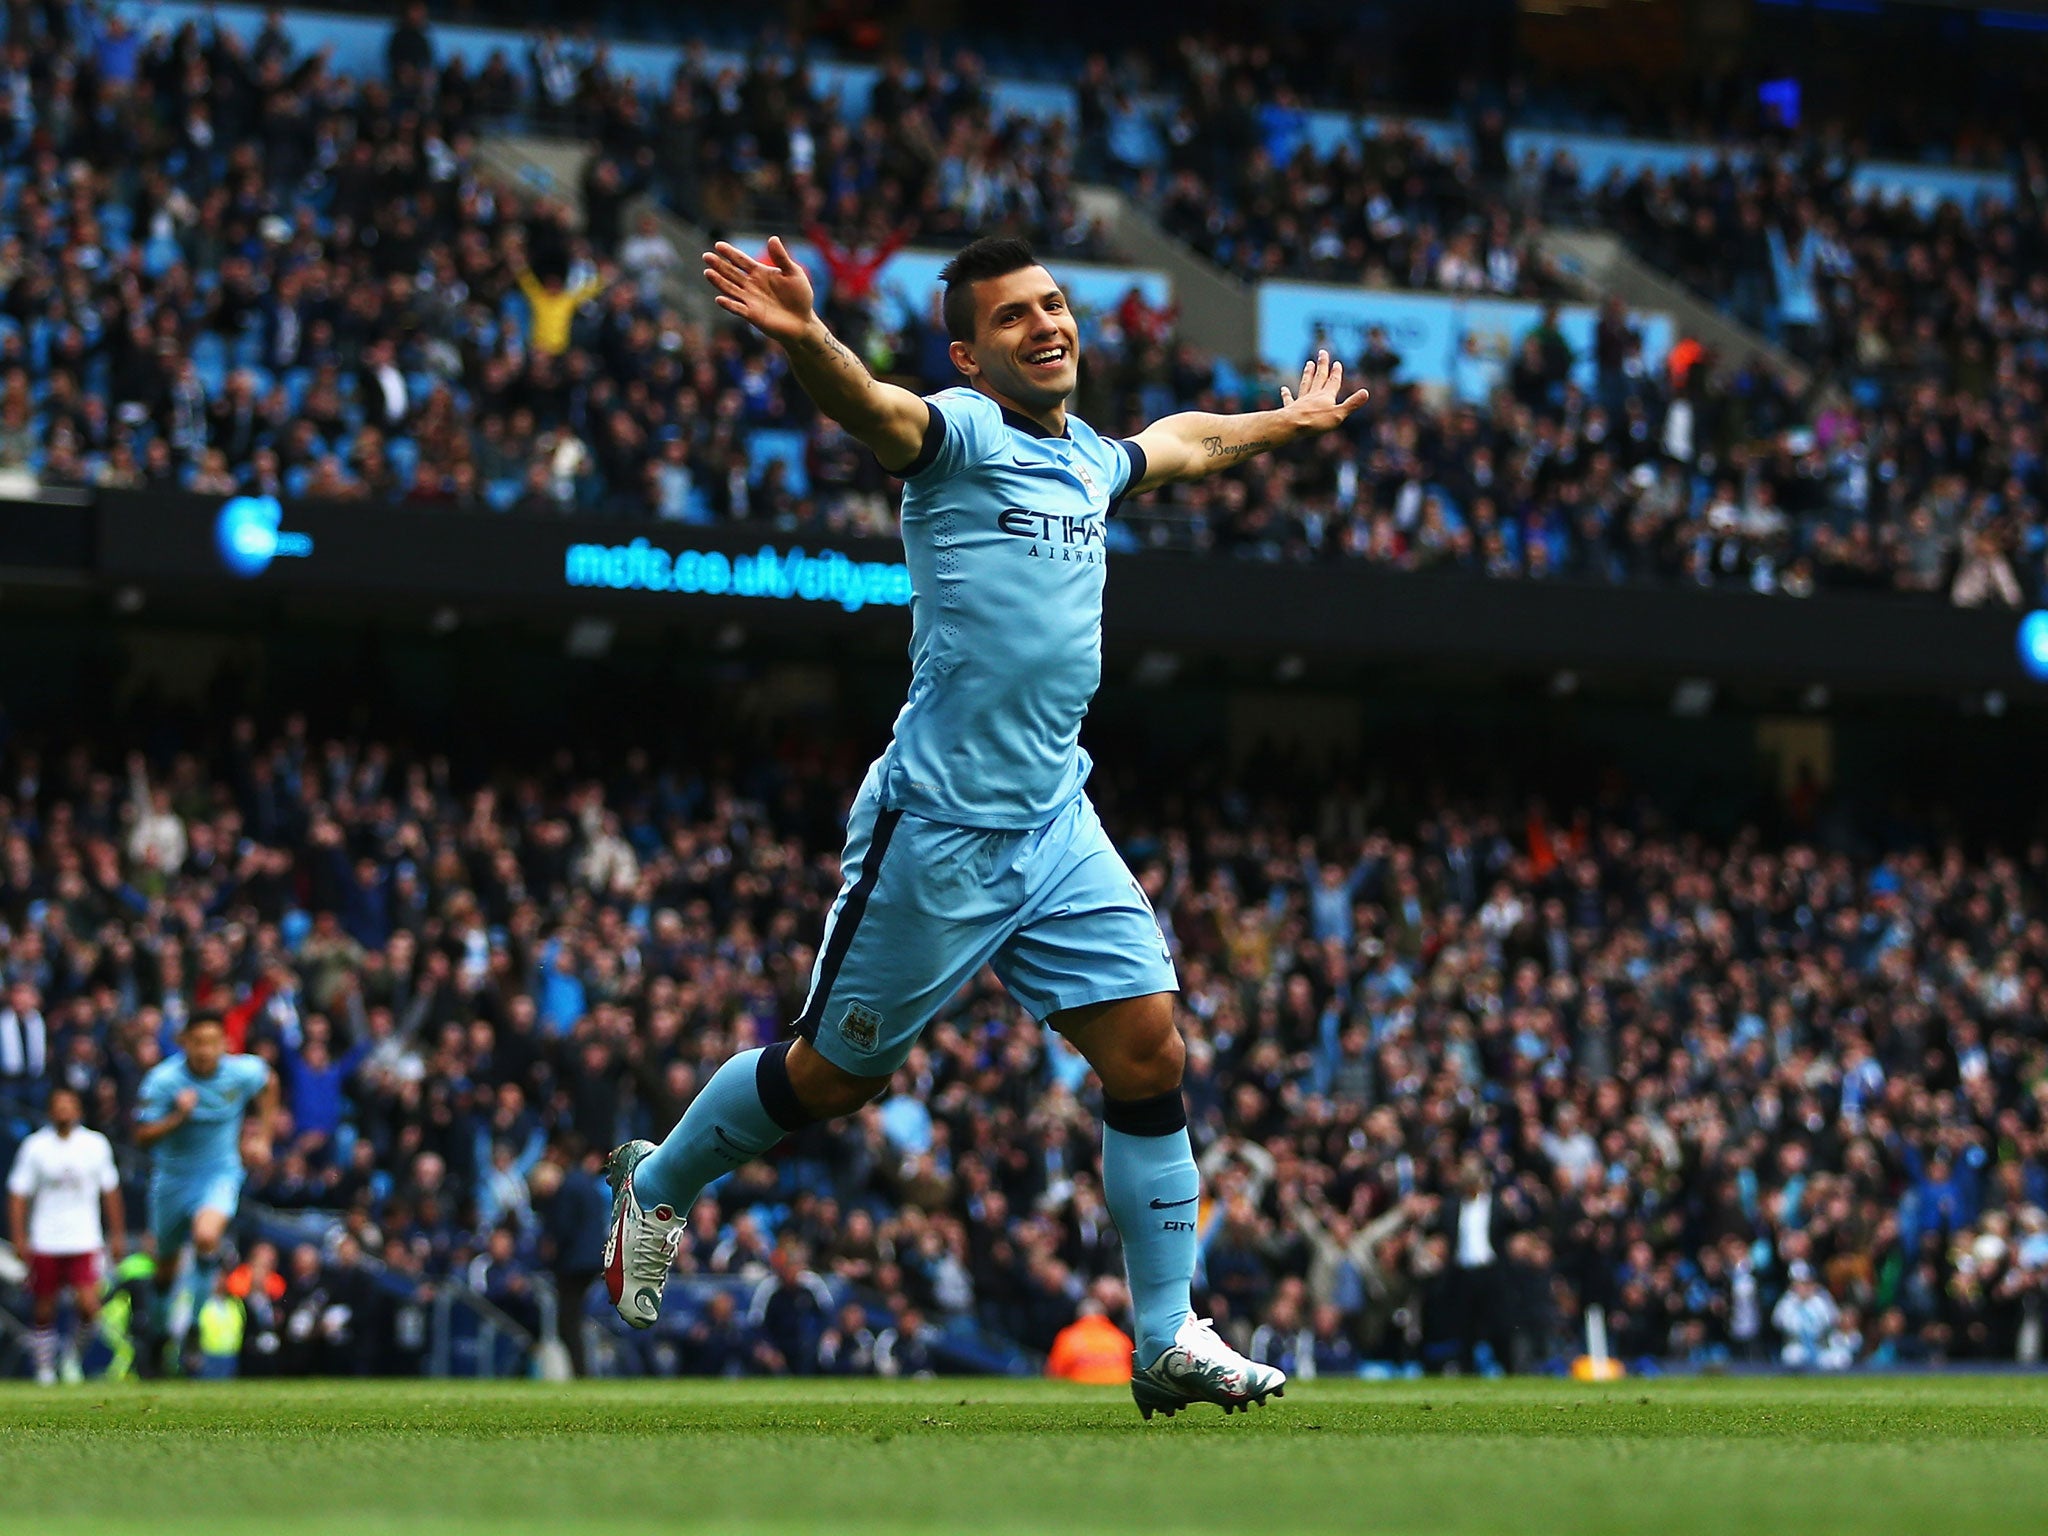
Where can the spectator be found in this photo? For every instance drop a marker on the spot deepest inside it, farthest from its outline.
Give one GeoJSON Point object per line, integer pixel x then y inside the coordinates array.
{"type": "Point", "coordinates": [1092, 1349]}
{"type": "Point", "coordinates": [24, 1049]}
{"type": "Point", "coordinates": [790, 1310]}
{"type": "Point", "coordinates": [1807, 1317]}
{"type": "Point", "coordinates": [649, 257]}
{"type": "Point", "coordinates": [1985, 576]}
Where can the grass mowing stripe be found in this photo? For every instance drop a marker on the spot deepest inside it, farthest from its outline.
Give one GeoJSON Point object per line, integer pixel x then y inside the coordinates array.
{"type": "Point", "coordinates": [1866, 1456]}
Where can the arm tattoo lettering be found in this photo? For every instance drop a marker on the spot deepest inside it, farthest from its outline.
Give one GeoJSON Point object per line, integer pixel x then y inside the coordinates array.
{"type": "Point", "coordinates": [1218, 449]}
{"type": "Point", "coordinates": [835, 350]}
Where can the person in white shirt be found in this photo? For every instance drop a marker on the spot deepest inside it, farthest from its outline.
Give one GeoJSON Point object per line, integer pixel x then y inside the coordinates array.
{"type": "Point", "coordinates": [649, 255]}
{"type": "Point", "coordinates": [157, 838]}
{"type": "Point", "coordinates": [1806, 1316]}
{"type": "Point", "coordinates": [62, 1183]}
{"type": "Point", "coordinates": [1476, 1224]}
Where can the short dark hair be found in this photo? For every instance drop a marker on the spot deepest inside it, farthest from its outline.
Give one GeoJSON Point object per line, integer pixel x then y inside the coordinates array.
{"type": "Point", "coordinates": [200, 1021]}
{"type": "Point", "coordinates": [990, 256]}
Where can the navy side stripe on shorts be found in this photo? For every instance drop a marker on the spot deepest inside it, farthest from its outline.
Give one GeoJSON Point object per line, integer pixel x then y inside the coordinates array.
{"type": "Point", "coordinates": [849, 919]}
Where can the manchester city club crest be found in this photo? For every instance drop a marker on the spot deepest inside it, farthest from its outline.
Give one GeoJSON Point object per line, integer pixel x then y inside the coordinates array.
{"type": "Point", "coordinates": [860, 1027]}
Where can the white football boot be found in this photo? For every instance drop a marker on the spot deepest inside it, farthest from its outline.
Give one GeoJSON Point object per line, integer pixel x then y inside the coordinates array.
{"type": "Point", "coordinates": [1200, 1368]}
{"type": "Point", "coordinates": [640, 1248]}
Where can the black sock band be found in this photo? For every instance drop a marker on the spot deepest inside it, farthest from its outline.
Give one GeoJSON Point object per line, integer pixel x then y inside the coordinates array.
{"type": "Point", "coordinates": [778, 1093]}
{"type": "Point", "coordinates": [1161, 1115]}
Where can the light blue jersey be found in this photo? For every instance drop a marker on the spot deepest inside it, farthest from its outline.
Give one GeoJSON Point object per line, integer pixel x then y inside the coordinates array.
{"type": "Point", "coordinates": [209, 1143]}
{"type": "Point", "coordinates": [1003, 531]}
{"type": "Point", "coordinates": [1000, 859]}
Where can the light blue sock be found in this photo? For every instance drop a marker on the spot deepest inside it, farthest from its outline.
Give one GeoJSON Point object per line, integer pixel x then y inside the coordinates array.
{"type": "Point", "coordinates": [1154, 1193]}
{"type": "Point", "coordinates": [193, 1290]}
{"type": "Point", "coordinates": [727, 1124]}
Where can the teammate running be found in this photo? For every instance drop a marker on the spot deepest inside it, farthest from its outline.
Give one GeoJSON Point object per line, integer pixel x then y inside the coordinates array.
{"type": "Point", "coordinates": [971, 841]}
{"type": "Point", "coordinates": [62, 1182]}
{"type": "Point", "coordinates": [190, 1109]}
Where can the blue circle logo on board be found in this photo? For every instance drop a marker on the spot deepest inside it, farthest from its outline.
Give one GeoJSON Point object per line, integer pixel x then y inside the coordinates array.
{"type": "Point", "coordinates": [248, 537]}
{"type": "Point", "coordinates": [2033, 639]}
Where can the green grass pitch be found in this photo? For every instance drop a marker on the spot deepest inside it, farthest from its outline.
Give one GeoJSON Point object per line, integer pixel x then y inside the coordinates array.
{"type": "Point", "coordinates": [1911, 1456]}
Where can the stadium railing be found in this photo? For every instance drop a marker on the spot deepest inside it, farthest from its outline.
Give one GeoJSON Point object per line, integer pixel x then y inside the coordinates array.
{"type": "Point", "coordinates": [473, 1336]}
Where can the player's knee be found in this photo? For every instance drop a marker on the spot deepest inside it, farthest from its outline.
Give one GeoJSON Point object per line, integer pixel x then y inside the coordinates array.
{"type": "Point", "coordinates": [1148, 1055]}
{"type": "Point", "coordinates": [1160, 1055]}
{"type": "Point", "coordinates": [824, 1088]}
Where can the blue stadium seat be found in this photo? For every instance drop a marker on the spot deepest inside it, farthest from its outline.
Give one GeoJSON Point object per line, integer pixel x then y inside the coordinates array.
{"type": "Point", "coordinates": [501, 494]}
{"type": "Point", "coordinates": [160, 255]}
{"type": "Point", "coordinates": [776, 445]}
{"type": "Point", "coordinates": [210, 359]}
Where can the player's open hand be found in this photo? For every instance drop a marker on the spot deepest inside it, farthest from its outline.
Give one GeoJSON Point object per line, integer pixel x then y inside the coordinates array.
{"type": "Point", "coordinates": [1320, 403]}
{"type": "Point", "coordinates": [771, 293]}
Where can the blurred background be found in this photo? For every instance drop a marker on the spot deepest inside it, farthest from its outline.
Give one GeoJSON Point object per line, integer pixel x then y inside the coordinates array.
{"type": "Point", "coordinates": [1600, 785]}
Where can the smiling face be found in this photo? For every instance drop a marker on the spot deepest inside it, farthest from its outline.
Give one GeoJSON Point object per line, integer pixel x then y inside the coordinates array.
{"type": "Point", "coordinates": [1026, 348]}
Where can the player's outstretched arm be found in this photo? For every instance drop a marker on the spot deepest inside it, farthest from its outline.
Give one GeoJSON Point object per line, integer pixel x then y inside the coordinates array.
{"type": "Point", "coordinates": [773, 294]}
{"type": "Point", "coordinates": [1196, 443]}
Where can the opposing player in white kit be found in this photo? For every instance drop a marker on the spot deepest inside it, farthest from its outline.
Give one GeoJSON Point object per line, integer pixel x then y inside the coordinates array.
{"type": "Point", "coordinates": [62, 1182]}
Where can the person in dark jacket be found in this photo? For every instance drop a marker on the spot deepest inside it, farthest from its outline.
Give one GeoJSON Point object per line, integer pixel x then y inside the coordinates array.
{"type": "Point", "coordinates": [1476, 1225]}
{"type": "Point", "coordinates": [571, 1206]}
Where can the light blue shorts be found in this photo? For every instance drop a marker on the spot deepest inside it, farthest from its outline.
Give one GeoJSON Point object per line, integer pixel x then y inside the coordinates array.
{"type": "Point", "coordinates": [924, 906]}
{"type": "Point", "coordinates": [173, 1202]}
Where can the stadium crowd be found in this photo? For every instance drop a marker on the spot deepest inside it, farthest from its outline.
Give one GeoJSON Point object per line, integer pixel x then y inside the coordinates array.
{"type": "Point", "coordinates": [1453, 1081]}
{"type": "Point", "coordinates": [292, 282]}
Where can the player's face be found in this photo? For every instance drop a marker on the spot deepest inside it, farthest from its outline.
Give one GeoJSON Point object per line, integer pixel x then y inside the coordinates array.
{"type": "Point", "coordinates": [65, 1111]}
{"type": "Point", "coordinates": [204, 1044]}
{"type": "Point", "coordinates": [1026, 345]}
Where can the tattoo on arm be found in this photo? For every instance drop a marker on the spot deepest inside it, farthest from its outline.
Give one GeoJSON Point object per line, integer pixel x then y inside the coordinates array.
{"type": "Point", "coordinates": [1218, 449]}
{"type": "Point", "coordinates": [835, 350]}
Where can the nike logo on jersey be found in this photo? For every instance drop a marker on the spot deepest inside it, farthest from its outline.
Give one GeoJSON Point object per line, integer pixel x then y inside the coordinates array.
{"type": "Point", "coordinates": [1167, 1205]}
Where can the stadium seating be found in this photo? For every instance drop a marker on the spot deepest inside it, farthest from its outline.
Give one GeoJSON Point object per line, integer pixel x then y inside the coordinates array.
{"type": "Point", "coordinates": [234, 231]}
{"type": "Point", "coordinates": [1680, 1066]}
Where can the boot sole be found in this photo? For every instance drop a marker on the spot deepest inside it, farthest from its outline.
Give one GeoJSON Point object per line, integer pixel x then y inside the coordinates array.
{"type": "Point", "coordinates": [1167, 1404]}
